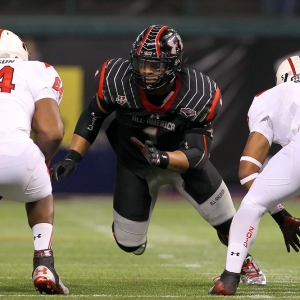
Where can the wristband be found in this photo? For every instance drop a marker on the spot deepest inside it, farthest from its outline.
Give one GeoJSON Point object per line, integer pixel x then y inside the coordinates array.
{"type": "Point", "coordinates": [248, 178]}
{"type": "Point", "coordinates": [251, 159]}
{"type": "Point", "coordinates": [74, 156]}
{"type": "Point", "coordinates": [276, 209]}
{"type": "Point", "coordinates": [279, 217]}
{"type": "Point", "coordinates": [164, 159]}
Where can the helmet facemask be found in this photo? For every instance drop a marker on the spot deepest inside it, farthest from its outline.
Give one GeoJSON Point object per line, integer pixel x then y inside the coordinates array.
{"type": "Point", "coordinates": [156, 57]}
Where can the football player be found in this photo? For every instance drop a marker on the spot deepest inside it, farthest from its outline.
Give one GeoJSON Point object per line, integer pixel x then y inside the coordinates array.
{"type": "Point", "coordinates": [274, 117]}
{"type": "Point", "coordinates": [161, 134]}
{"type": "Point", "coordinates": [30, 92]}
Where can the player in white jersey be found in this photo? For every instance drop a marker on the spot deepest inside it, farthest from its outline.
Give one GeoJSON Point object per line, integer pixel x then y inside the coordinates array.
{"type": "Point", "coordinates": [30, 92]}
{"type": "Point", "coordinates": [274, 117]}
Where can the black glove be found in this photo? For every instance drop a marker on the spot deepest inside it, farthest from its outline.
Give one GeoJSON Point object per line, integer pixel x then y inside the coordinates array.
{"type": "Point", "coordinates": [155, 157]}
{"type": "Point", "coordinates": [65, 167]}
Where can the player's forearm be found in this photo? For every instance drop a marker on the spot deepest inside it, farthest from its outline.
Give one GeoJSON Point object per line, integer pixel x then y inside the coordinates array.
{"type": "Point", "coordinates": [79, 144]}
{"type": "Point", "coordinates": [177, 162]}
{"type": "Point", "coordinates": [48, 145]}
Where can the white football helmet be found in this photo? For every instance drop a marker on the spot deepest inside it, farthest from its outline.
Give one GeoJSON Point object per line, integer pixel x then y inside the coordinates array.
{"type": "Point", "coordinates": [288, 69]}
{"type": "Point", "coordinates": [11, 46]}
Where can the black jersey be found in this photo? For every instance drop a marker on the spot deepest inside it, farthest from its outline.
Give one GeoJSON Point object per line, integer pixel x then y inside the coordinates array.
{"type": "Point", "coordinates": [193, 103]}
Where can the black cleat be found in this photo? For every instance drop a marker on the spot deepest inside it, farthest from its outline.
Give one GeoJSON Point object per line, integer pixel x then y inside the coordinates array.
{"type": "Point", "coordinates": [226, 285]}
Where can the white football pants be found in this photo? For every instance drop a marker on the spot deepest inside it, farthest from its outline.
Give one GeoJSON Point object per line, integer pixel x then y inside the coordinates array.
{"type": "Point", "coordinates": [278, 182]}
{"type": "Point", "coordinates": [24, 175]}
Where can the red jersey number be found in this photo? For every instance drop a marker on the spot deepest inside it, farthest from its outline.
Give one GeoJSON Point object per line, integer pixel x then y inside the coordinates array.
{"type": "Point", "coordinates": [6, 76]}
{"type": "Point", "coordinates": [57, 86]}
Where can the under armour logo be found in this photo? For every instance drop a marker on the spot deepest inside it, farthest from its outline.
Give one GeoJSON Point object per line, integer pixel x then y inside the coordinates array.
{"type": "Point", "coordinates": [154, 117]}
{"type": "Point", "coordinates": [235, 253]}
{"type": "Point", "coordinates": [39, 236]}
{"type": "Point", "coordinates": [43, 271]}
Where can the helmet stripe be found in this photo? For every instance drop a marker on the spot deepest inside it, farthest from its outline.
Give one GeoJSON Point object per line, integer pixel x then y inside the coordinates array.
{"type": "Point", "coordinates": [1, 30]}
{"type": "Point", "coordinates": [157, 39]}
{"type": "Point", "coordinates": [144, 39]}
{"type": "Point", "coordinates": [292, 66]}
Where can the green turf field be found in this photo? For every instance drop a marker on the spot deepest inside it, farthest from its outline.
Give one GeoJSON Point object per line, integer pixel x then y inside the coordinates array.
{"type": "Point", "coordinates": [182, 257]}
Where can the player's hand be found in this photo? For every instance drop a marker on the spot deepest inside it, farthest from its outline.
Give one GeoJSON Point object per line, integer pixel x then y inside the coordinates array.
{"type": "Point", "coordinates": [291, 233]}
{"type": "Point", "coordinates": [154, 156]}
{"type": "Point", "coordinates": [63, 168]}
{"type": "Point", "coordinates": [67, 166]}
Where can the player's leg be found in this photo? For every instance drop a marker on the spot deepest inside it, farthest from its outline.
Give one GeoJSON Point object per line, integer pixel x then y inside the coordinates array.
{"type": "Point", "coordinates": [133, 205]}
{"type": "Point", "coordinates": [278, 182]}
{"type": "Point", "coordinates": [207, 192]}
{"type": "Point", "coordinates": [44, 275]}
{"type": "Point", "coordinates": [27, 180]}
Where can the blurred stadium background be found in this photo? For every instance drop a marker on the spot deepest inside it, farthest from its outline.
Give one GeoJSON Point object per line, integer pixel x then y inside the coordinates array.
{"type": "Point", "coordinates": [237, 43]}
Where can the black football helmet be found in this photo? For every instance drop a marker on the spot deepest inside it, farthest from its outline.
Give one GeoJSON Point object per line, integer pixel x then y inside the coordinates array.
{"type": "Point", "coordinates": [158, 48]}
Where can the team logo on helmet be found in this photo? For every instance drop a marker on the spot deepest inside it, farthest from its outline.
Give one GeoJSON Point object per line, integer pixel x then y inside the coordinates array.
{"type": "Point", "coordinates": [188, 112]}
{"type": "Point", "coordinates": [296, 78]}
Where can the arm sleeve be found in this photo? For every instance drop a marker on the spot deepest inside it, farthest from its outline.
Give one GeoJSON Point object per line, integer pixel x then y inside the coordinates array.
{"type": "Point", "coordinates": [90, 121]}
{"type": "Point", "coordinates": [197, 145]}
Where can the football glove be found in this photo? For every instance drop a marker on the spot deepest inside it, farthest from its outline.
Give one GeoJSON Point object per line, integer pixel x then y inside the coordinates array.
{"type": "Point", "coordinates": [291, 233]}
{"type": "Point", "coordinates": [154, 156]}
{"type": "Point", "coordinates": [290, 229]}
{"type": "Point", "coordinates": [65, 167]}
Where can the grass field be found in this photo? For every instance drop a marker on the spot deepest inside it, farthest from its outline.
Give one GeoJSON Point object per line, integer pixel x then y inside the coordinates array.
{"type": "Point", "coordinates": [182, 257]}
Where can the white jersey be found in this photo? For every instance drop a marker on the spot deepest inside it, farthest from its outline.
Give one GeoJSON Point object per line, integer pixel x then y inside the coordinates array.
{"type": "Point", "coordinates": [22, 84]}
{"type": "Point", "coordinates": [24, 176]}
{"type": "Point", "coordinates": [276, 113]}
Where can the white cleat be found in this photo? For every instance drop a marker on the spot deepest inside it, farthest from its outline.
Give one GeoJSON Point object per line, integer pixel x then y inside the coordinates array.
{"type": "Point", "coordinates": [44, 280]}
{"type": "Point", "coordinates": [251, 274]}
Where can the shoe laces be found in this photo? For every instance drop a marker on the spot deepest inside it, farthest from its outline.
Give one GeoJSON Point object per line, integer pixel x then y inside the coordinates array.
{"type": "Point", "coordinates": [250, 268]}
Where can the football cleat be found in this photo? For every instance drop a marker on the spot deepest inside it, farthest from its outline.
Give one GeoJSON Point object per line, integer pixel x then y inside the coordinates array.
{"type": "Point", "coordinates": [226, 285]}
{"type": "Point", "coordinates": [44, 277]}
{"type": "Point", "coordinates": [251, 274]}
{"type": "Point", "coordinates": [141, 249]}
{"type": "Point", "coordinates": [44, 280]}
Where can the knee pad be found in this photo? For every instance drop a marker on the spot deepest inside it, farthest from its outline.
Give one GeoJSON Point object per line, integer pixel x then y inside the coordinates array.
{"type": "Point", "coordinates": [124, 248]}
{"type": "Point", "coordinates": [129, 235]}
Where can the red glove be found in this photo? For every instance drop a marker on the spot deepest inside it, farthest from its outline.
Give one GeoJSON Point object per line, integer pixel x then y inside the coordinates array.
{"type": "Point", "coordinates": [291, 233]}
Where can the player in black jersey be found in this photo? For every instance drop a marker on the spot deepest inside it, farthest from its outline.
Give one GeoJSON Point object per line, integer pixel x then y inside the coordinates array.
{"type": "Point", "coordinates": [162, 134]}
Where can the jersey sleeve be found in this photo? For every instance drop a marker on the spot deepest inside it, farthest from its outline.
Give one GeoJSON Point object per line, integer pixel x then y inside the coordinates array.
{"type": "Point", "coordinates": [204, 96]}
{"type": "Point", "coordinates": [216, 104]}
{"type": "Point", "coordinates": [55, 83]}
{"type": "Point", "coordinates": [99, 82]}
{"type": "Point", "coordinates": [49, 83]}
{"type": "Point", "coordinates": [259, 120]}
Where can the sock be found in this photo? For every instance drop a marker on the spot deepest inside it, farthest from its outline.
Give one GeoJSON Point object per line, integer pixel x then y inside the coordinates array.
{"type": "Point", "coordinates": [42, 236]}
{"type": "Point", "coordinates": [242, 234]}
